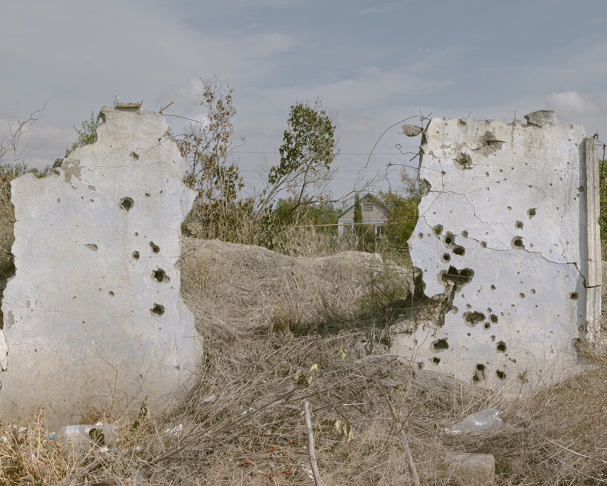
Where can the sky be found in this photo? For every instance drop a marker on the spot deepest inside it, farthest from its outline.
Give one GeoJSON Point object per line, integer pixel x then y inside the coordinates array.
{"type": "Point", "coordinates": [372, 64]}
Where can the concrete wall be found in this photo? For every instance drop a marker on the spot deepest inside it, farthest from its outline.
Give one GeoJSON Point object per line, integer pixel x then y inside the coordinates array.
{"type": "Point", "coordinates": [508, 244]}
{"type": "Point", "coordinates": [93, 313]}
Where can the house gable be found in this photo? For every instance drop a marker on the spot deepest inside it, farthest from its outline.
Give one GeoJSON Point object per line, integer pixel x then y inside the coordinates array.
{"type": "Point", "coordinates": [371, 208]}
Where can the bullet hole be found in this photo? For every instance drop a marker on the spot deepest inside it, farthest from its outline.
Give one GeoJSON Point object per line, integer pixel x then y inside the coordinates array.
{"type": "Point", "coordinates": [126, 203]}
{"type": "Point", "coordinates": [501, 347]}
{"type": "Point", "coordinates": [155, 248]}
{"type": "Point", "coordinates": [580, 189]}
{"type": "Point", "coordinates": [435, 361]}
{"type": "Point", "coordinates": [473, 318]}
{"type": "Point", "coordinates": [483, 244]}
{"type": "Point", "coordinates": [147, 194]}
{"type": "Point", "coordinates": [459, 278]}
{"type": "Point", "coordinates": [531, 213]}
{"type": "Point", "coordinates": [518, 225]}
{"type": "Point", "coordinates": [465, 234]}
{"type": "Point", "coordinates": [440, 345]}
{"type": "Point", "coordinates": [509, 208]}
{"type": "Point", "coordinates": [111, 294]}
{"type": "Point", "coordinates": [493, 318]}
{"type": "Point", "coordinates": [493, 287]}
{"type": "Point", "coordinates": [521, 295]}
{"type": "Point", "coordinates": [517, 243]}
{"type": "Point", "coordinates": [438, 229]}
{"type": "Point", "coordinates": [58, 201]}
{"type": "Point", "coordinates": [134, 156]}
{"type": "Point", "coordinates": [463, 162]}
{"type": "Point", "coordinates": [160, 275]}
{"type": "Point", "coordinates": [487, 174]}
{"type": "Point", "coordinates": [449, 239]}
{"type": "Point", "coordinates": [573, 296]}
{"type": "Point", "coordinates": [420, 365]}
{"type": "Point", "coordinates": [500, 374]}
{"type": "Point", "coordinates": [157, 310]}
{"type": "Point", "coordinates": [91, 246]}
{"type": "Point", "coordinates": [479, 373]}
{"type": "Point", "coordinates": [446, 257]}
{"type": "Point", "coordinates": [420, 235]}
{"type": "Point", "coordinates": [135, 255]}
{"type": "Point", "coordinates": [533, 291]}
{"type": "Point", "coordinates": [492, 339]}
{"type": "Point", "coordinates": [459, 250]}
{"type": "Point", "coordinates": [487, 325]}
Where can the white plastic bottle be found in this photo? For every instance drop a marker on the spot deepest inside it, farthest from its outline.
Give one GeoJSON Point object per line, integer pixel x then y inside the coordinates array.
{"type": "Point", "coordinates": [101, 434]}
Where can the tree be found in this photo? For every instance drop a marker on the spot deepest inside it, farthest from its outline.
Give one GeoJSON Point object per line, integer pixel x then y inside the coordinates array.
{"type": "Point", "coordinates": [87, 133]}
{"type": "Point", "coordinates": [304, 169]}
{"type": "Point", "coordinates": [358, 213]}
{"type": "Point", "coordinates": [212, 172]}
{"type": "Point", "coordinates": [321, 214]}
{"type": "Point", "coordinates": [403, 208]}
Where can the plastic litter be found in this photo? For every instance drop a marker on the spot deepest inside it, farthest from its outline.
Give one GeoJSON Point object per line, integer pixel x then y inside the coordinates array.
{"type": "Point", "coordinates": [100, 434]}
{"type": "Point", "coordinates": [174, 430]}
{"type": "Point", "coordinates": [477, 422]}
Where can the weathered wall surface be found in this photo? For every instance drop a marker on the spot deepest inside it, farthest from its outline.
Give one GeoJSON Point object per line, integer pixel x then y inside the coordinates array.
{"type": "Point", "coordinates": [94, 312]}
{"type": "Point", "coordinates": [508, 245]}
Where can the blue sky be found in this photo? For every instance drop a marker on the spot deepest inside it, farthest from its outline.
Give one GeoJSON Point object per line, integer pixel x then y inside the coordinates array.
{"type": "Point", "coordinates": [372, 63]}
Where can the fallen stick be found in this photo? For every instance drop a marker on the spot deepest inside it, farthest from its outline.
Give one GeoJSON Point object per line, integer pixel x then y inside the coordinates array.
{"type": "Point", "coordinates": [311, 452]}
{"type": "Point", "coordinates": [412, 467]}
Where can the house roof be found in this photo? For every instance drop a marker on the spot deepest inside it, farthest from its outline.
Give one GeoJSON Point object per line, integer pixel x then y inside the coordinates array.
{"type": "Point", "coordinates": [375, 201]}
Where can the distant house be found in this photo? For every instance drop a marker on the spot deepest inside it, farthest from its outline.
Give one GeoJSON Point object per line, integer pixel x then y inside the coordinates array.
{"type": "Point", "coordinates": [373, 211]}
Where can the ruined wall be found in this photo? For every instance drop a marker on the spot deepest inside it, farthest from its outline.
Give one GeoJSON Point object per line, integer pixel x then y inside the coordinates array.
{"type": "Point", "coordinates": [508, 244]}
{"type": "Point", "coordinates": [94, 313]}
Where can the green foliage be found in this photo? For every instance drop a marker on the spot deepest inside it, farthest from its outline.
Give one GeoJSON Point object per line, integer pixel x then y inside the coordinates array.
{"type": "Point", "coordinates": [303, 172]}
{"type": "Point", "coordinates": [308, 142]}
{"type": "Point", "coordinates": [403, 216]}
{"type": "Point", "coordinates": [403, 209]}
{"type": "Point", "coordinates": [358, 212]}
{"type": "Point", "coordinates": [287, 212]}
{"type": "Point", "coordinates": [87, 133]}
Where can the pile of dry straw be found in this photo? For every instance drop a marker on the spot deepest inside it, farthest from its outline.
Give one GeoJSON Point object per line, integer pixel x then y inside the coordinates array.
{"type": "Point", "coordinates": [279, 329]}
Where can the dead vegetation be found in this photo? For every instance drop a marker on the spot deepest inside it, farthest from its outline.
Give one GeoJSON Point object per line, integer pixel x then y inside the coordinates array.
{"type": "Point", "coordinates": [279, 330]}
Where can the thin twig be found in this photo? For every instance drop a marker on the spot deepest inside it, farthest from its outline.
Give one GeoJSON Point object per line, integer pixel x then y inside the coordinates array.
{"type": "Point", "coordinates": [412, 467]}
{"type": "Point", "coordinates": [311, 452]}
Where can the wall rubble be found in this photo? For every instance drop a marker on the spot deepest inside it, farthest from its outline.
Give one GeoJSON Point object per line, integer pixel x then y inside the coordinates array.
{"type": "Point", "coordinates": [94, 312]}
{"type": "Point", "coordinates": [508, 245]}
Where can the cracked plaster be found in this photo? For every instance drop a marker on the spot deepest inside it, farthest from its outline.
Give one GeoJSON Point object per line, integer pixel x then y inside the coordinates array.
{"type": "Point", "coordinates": [515, 205]}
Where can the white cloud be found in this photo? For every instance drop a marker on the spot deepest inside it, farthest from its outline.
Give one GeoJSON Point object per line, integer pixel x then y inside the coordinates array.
{"type": "Point", "coordinates": [571, 104]}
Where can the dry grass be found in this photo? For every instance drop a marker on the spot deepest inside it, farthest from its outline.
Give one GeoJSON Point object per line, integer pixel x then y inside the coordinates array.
{"type": "Point", "coordinates": [266, 320]}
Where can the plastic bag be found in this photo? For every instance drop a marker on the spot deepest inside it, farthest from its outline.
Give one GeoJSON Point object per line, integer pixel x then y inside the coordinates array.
{"type": "Point", "coordinates": [477, 422]}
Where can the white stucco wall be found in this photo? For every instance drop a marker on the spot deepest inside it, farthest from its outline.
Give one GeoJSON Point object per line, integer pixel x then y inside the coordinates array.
{"type": "Point", "coordinates": [93, 313]}
{"type": "Point", "coordinates": [506, 215]}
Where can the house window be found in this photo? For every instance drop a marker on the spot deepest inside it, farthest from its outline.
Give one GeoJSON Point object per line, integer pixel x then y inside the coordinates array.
{"type": "Point", "coordinates": [368, 207]}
